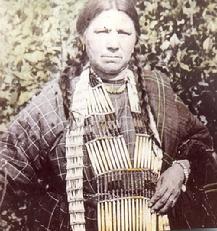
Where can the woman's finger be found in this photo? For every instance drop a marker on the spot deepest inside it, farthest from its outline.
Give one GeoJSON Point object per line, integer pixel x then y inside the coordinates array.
{"type": "Point", "coordinates": [160, 191]}
{"type": "Point", "coordinates": [162, 201]}
{"type": "Point", "coordinates": [169, 204]}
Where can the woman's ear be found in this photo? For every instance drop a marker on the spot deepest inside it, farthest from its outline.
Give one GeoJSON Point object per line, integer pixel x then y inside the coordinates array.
{"type": "Point", "coordinates": [82, 42]}
{"type": "Point", "coordinates": [83, 37]}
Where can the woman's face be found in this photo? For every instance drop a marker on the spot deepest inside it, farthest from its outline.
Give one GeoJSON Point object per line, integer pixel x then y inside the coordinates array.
{"type": "Point", "coordinates": [110, 39]}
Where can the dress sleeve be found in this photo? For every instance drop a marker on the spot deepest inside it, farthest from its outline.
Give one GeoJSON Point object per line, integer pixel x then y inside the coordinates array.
{"type": "Point", "coordinates": [195, 145]}
{"type": "Point", "coordinates": [26, 143]}
{"type": "Point", "coordinates": [193, 135]}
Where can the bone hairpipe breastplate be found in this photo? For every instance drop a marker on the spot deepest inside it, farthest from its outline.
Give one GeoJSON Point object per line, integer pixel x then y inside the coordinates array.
{"type": "Point", "coordinates": [124, 185]}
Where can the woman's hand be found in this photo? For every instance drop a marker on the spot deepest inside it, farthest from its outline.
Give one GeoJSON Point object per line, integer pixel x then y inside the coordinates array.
{"type": "Point", "coordinates": [168, 189]}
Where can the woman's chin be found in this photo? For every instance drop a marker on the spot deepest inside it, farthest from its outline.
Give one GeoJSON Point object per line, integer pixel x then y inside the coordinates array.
{"type": "Point", "coordinates": [110, 68]}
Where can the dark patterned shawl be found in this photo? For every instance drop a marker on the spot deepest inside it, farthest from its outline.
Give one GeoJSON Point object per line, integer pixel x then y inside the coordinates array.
{"type": "Point", "coordinates": [32, 156]}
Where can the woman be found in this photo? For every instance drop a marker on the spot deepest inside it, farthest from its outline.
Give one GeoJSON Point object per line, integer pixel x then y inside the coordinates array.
{"type": "Point", "coordinates": [109, 144]}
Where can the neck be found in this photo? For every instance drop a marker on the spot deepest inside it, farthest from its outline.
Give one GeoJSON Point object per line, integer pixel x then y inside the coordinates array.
{"type": "Point", "coordinates": [111, 77]}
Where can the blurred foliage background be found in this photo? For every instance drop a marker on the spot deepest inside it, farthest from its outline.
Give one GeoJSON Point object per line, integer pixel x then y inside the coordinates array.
{"type": "Point", "coordinates": [178, 37]}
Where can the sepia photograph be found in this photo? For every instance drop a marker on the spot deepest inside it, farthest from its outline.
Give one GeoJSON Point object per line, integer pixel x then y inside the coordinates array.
{"type": "Point", "coordinates": [108, 115]}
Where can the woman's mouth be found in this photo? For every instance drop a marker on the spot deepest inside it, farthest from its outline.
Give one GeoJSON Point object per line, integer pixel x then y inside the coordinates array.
{"type": "Point", "coordinates": [111, 56]}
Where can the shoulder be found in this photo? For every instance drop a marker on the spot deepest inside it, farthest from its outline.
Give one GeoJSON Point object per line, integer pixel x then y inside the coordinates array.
{"type": "Point", "coordinates": [155, 81]}
{"type": "Point", "coordinates": [42, 116]}
{"type": "Point", "coordinates": [49, 90]}
{"type": "Point", "coordinates": [156, 77]}
{"type": "Point", "coordinates": [47, 97]}
{"type": "Point", "coordinates": [46, 106]}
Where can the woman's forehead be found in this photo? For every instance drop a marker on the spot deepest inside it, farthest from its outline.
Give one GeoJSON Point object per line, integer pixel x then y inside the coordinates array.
{"type": "Point", "coordinates": [112, 18]}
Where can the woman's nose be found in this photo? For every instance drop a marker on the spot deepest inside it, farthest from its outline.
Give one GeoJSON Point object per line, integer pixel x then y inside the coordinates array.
{"type": "Point", "coordinates": [113, 43]}
{"type": "Point", "coordinates": [113, 49]}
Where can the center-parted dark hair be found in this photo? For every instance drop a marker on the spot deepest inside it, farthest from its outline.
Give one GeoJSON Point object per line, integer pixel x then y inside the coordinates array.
{"type": "Point", "coordinates": [94, 7]}
{"type": "Point", "coordinates": [75, 65]}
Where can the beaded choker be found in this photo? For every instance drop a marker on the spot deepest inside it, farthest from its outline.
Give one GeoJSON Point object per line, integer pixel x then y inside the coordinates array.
{"type": "Point", "coordinates": [115, 88]}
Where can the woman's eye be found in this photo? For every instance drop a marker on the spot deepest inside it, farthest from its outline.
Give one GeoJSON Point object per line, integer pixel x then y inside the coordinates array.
{"type": "Point", "coordinates": [124, 32]}
{"type": "Point", "coordinates": [104, 31]}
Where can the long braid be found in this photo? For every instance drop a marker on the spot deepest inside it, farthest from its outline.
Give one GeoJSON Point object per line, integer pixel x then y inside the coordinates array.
{"type": "Point", "coordinates": [137, 66]}
{"type": "Point", "coordinates": [74, 68]}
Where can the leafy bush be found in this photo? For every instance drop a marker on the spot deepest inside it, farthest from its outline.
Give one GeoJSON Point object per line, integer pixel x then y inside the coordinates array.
{"type": "Point", "coordinates": [178, 37]}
